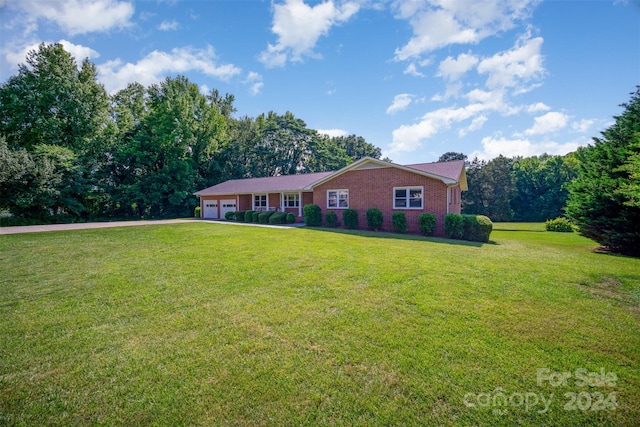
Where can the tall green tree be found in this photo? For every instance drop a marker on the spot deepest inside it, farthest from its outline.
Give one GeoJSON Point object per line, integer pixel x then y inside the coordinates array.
{"type": "Point", "coordinates": [451, 156]}
{"type": "Point", "coordinates": [171, 151]}
{"type": "Point", "coordinates": [603, 199]}
{"type": "Point", "coordinates": [59, 114]}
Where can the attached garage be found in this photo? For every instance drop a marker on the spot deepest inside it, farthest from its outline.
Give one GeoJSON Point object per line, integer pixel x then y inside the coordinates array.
{"type": "Point", "coordinates": [210, 209]}
{"type": "Point", "coordinates": [227, 206]}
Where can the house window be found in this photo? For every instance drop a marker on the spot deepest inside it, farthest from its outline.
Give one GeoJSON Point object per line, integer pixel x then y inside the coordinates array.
{"type": "Point", "coordinates": [260, 202]}
{"type": "Point", "coordinates": [407, 198]}
{"type": "Point", "coordinates": [292, 200]}
{"type": "Point", "coordinates": [338, 199]}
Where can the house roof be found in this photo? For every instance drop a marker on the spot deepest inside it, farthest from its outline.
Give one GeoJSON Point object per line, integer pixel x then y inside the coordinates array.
{"type": "Point", "coordinates": [269, 184]}
{"type": "Point", "coordinates": [451, 173]}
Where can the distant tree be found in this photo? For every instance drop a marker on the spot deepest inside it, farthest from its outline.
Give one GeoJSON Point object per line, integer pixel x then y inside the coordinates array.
{"type": "Point", "coordinates": [604, 198]}
{"type": "Point", "coordinates": [541, 183]}
{"type": "Point", "coordinates": [491, 187]}
{"type": "Point", "coordinates": [452, 156]}
{"type": "Point", "coordinates": [357, 147]}
{"type": "Point", "coordinates": [326, 155]}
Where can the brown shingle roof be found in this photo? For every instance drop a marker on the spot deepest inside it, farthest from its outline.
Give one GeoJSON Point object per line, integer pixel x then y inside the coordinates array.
{"type": "Point", "coordinates": [448, 171]}
{"type": "Point", "coordinates": [269, 184]}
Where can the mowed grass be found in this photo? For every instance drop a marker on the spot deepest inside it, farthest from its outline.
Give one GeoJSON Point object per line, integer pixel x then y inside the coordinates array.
{"type": "Point", "coordinates": [213, 324]}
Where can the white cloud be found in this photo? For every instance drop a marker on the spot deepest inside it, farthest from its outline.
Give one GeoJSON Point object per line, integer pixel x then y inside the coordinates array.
{"type": "Point", "coordinates": [475, 125]}
{"type": "Point", "coordinates": [548, 123]}
{"type": "Point", "coordinates": [453, 69]}
{"type": "Point", "coordinates": [156, 65]}
{"type": "Point", "coordinates": [413, 70]}
{"type": "Point", "coordinates": [493, 146]}
{"type": "Point", "coordinates": [410, 137]}
{"type": "Point", "coordinates": [516, 66]}
{"type": "Point", "coordinates": [535, 108]}
{"type": "Point", "coordinates": [255, 80]}
{"type": "Point", "coordinates": [400, 102]}
{"type": "Point", "coordinates": [332, 132]}
{"type": "Point", "coordinates": [80, 16]}
{"type": "Point", "coordinates": [299, 26]}
{"type": "Point", "coordinates": [439, 23]}
{"type": "Point", "coordinates": [583, 125]}
{"type": "Point", "coordinates": [168, 25]}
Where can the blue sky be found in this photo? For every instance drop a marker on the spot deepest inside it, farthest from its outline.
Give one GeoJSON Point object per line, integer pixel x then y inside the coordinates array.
{"type": "Point", "coordinates": [417, 78]}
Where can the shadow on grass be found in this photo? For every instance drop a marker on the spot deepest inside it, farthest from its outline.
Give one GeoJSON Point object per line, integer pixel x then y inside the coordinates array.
{"type": "Point", "coordinates": [396, 236]}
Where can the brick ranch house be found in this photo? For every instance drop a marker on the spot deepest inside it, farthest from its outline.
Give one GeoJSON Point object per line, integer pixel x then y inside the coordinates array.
{"type": "Point", "coordinates": [367, 183]}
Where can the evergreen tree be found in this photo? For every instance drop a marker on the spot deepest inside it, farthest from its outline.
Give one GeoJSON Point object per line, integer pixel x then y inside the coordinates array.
{"type": "Point", "coordinates": [604, 198]}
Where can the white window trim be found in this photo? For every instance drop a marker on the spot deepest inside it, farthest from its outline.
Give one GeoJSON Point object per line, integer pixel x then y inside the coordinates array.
{"type": "Point", "coordinates": [285, 200]}
{"type": "Point", "coordinates": [338, 199]}
{"type": "Point", "coordinates": [407, 188]}
{"type": "Point", "coordinates": [253, 202]}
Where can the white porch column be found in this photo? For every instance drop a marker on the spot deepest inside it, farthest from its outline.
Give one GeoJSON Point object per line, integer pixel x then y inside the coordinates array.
{"type": "Point", "coordinates": [299, 203]}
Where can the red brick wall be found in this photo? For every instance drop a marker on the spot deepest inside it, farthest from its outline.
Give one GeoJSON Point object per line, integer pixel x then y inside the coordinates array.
{"type": "Point", "coordinates": [373, 188]}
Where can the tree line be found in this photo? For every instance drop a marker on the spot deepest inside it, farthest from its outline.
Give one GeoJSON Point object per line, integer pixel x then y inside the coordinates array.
{"type": "Point", "coordinates": [71, 152]}
{"type": "Point", "coordinates": [521, 189]}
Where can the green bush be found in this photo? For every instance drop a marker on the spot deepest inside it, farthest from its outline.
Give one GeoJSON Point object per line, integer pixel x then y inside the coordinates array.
{"type": "Point", "coordinates": [230, 216]}
{"type": "Point", "coordinates": [248, 216]}
{"type": "Point", "coordinates": [312, 215]}
{"type": "Point", "coordinates": [350, 218]}
{"type": "Point", "coordinates": [332, 219]}
{"type": "Point", "coordinates": [291, 218]}
{"type": "Point", "coordinates": [374, 218]}
{"type": "Point", "coordinates": [254, 216]}
{"type": "Point", "coordinates": [559, 224]}
{"type": "Point", "coordinates": [399, 222]}
{"type": "Point", "coordinates": [240, 216]}
{"type": "Point", "coordinates": [196, 212]}
{"type": "Point", "coordinates": [454, 226]}
{"type": "Point", "coordinates": [278, 218]}
{"type": "Point", "coordinates": [263, 217]}
{"type": "Point", "coordinates": [477, 228]}
{"type": "Point", "coordinates": [427, 223]}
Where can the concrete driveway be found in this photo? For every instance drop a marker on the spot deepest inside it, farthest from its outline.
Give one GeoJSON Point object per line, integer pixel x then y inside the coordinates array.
{"type": "Point", "coordinates": [86, 225]}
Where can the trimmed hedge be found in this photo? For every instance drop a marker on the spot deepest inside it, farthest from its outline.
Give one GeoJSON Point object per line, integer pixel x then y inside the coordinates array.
{"type": "Point", "coordinates": [374, 218]}
{"type": "Point", "coordinates": [230, 216]}
{"type": "Point", "coordinates": [278, 218]}
{"type": "Point", "coordinates": [312, 215]}
{"type": "Point", "coordinates": [560, 224]}
{"type": "Point", "coordinates": [240, 216]}
{"type": "Point", "coordinates": [477, 228]}
{"type": "Point", "coordinates": [332, 219]}
{"type": "Point", "coordinates": [399, 222]}
{"type": "Point", "coordinates": [350, 218]}
{"type": "Point", "coordinates": [248, 216]}
{"type": "Point", "coordinates": [196, 212]}
{"type": "Point", "coordinates": [453, 226]}
{"type": "Point", "coordinates": [427, 223]}
{"type": "Point", "coordinates": [263, 217]}
{"type": "Point", "coordinates": [254, 216]}
{"type": "Point", "coordinates": [291, 218]}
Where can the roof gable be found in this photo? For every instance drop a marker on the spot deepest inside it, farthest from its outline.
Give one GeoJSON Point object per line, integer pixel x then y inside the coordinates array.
{"type": "Point", "coordinates": [450, 173]}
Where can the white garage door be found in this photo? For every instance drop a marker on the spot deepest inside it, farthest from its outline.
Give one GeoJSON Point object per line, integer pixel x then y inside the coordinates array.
{"type": "Point", "coordinates": [211, 209]}
{"type": "Point", "coordinates": [227, 206]}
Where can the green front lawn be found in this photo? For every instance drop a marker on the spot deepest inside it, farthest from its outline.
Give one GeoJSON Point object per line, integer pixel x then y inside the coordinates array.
{"type": "Point", "coordinates": [214, 324]}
